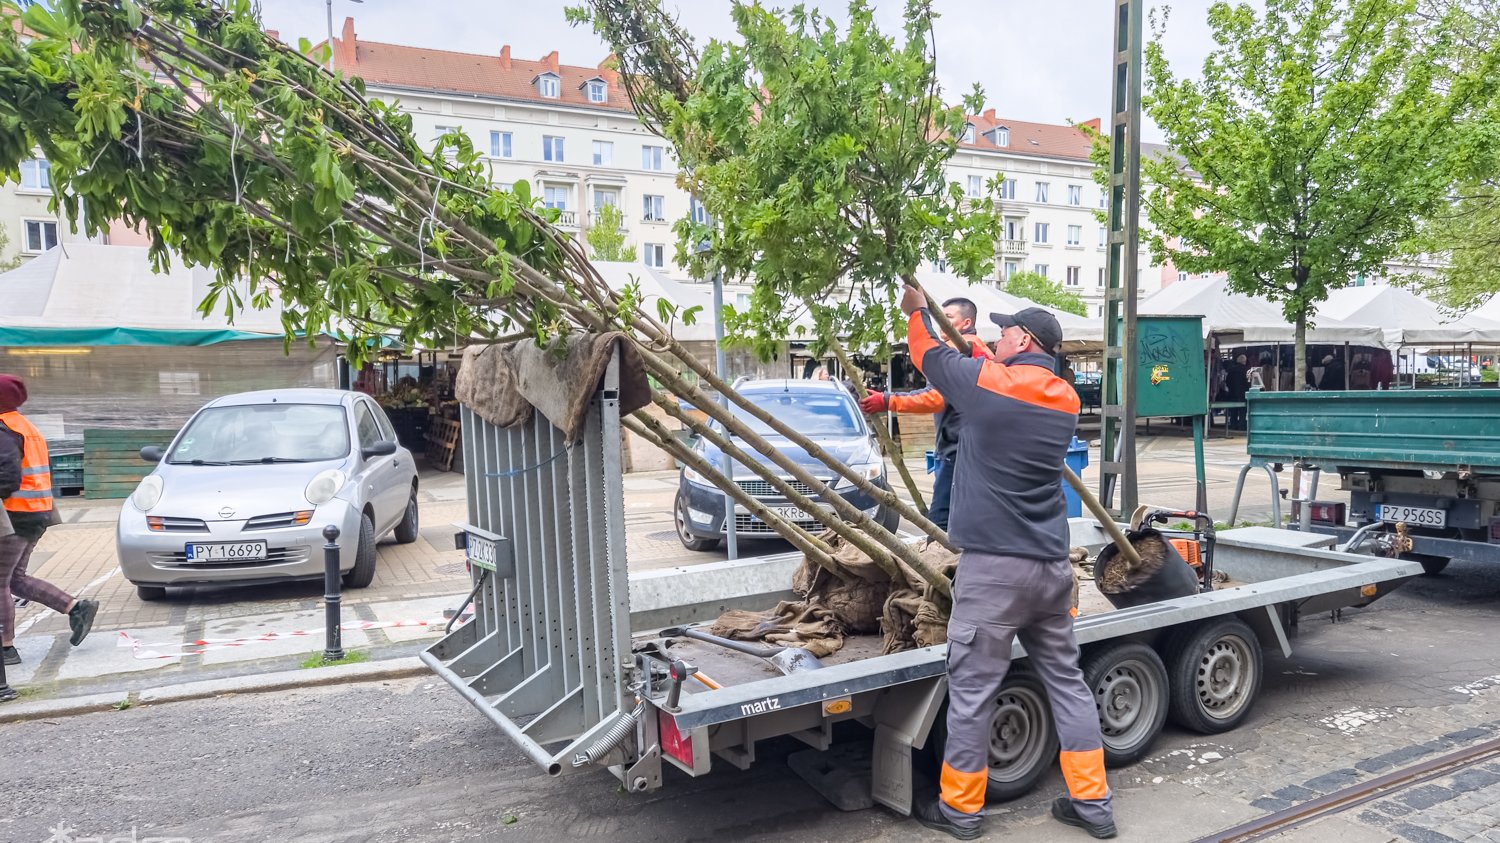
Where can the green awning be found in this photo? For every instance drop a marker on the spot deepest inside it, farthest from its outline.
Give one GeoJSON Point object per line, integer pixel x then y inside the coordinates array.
{"type": "Point", "coordinates": [16, 337]}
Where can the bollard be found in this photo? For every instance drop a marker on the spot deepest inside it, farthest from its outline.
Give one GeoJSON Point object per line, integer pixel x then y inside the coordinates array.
{"type": "Point", "coordinates": [7, 693]}
{"type": "Point", "coordinates": [334, 644]}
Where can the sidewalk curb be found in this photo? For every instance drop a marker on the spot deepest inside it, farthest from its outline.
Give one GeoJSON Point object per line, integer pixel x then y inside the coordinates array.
{"type": "Point", "coordinates": [398, 668]}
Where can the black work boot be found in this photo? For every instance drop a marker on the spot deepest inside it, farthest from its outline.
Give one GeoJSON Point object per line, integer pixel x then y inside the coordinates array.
{"type": "Point", "coordinates": [930, 814]}
{"type": "Point", "coordinates": [81, 620]}
{"type": "Point", "coordinates": [12, 655]}
{"type": "Point", "coordinates": [1064, 812]}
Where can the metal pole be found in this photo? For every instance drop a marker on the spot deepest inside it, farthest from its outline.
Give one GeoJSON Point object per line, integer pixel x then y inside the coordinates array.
{"type": "Point", "coordinates": [330, 34]}
{"type": "Point", "coordinates": [728, 468]}
{"type": "Point", "coordinates": [333, 649]}
{"type": "Point", "coordinates": [1198, 464]}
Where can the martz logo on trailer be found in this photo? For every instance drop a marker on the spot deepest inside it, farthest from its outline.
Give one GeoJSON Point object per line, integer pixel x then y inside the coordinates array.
{"type": "Point", "coordinates": [761, 706]}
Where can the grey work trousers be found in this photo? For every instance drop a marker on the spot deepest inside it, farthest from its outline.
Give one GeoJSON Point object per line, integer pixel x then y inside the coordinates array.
{"type": "Point", "coordinates": [997, 599]}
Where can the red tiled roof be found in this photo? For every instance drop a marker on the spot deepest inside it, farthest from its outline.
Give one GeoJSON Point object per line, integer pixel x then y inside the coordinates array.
{"type": "Point", "coordinates": [467, 73]}
{"type": "Point", "coordinates": [1030, 138]}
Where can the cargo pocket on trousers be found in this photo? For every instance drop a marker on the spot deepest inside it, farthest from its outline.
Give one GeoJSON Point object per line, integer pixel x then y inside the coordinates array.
{"type": "Point", "coordinates": [960, 632]}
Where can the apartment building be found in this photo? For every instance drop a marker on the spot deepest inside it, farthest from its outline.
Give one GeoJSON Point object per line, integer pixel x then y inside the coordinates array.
{"type": "Point", "coordinates": [30, 227]}
{"type": "Point", "coordinates": [569, 130]}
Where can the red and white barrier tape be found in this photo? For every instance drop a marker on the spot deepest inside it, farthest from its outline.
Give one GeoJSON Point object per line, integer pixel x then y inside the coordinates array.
{"type": "Point", "coordinates": [154, 650]}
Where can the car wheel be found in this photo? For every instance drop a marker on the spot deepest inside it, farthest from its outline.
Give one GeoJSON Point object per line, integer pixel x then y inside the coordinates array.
{"type": "Point", "coordinates": [685, 534]}
{"type": "Point", "coordinates": [406, 531]}
{"type": "Point", "coordinates": [151, 593]}
{"type": "Point", "coordinates": [363, 572]}
{"type": "Point", "coordinates": [889, 518]}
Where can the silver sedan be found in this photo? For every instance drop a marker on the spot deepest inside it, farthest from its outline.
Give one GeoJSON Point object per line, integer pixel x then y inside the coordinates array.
{"type": "Point", "coordinates": [244, 491]}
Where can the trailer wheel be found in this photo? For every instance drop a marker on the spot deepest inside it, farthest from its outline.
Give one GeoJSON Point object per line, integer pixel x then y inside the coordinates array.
{"type": "Point", "coordinates": [1129, 683]}
{"type": "Point", "coordinates": [1023, 737]}
{"type": "Point", "coordinates": [1215, 671]}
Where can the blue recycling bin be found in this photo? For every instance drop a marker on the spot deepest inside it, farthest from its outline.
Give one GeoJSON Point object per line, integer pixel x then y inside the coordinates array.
{"type": "Point", "coordinates": [1077, 459]}
{"type": "Point", "coordinates": [931, 461]}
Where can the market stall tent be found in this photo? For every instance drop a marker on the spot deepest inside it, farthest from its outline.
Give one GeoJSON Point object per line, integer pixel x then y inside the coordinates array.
{"type": "Point", "coordinates": [1235, 319]}
{"type": "Point", "coordinates": [1406, 318]}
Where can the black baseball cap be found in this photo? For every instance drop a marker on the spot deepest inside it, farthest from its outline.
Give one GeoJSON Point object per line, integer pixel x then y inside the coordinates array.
{"type": "Point", "coordinates": [1039, 323]}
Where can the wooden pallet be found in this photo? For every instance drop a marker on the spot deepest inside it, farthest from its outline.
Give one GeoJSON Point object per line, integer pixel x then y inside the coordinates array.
{"type": "Point", "coordinates": [442, 443]}
{"type": "Point", "coordinates": [112, 464]}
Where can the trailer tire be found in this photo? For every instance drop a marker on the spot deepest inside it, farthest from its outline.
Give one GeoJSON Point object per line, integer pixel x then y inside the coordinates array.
{"type": "Point", "coordinates": [1215, 670]}
{"type": "Point", "coordinates": [1130, 687]}
{"type": "Point", "coordinates": [1026, 754]}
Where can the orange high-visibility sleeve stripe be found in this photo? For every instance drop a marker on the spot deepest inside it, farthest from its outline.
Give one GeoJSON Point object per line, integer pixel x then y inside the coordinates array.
{"type": "Point", "coordinates": [1084, 772]}
{"type": "Point", "coordinates": [921, 401]}
{"type": "Point", "coordinates": [965, 791]}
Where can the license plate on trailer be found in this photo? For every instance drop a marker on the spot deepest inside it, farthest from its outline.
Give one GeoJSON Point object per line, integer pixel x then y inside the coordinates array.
{"type": "Point", "coordinates": [227, 552]}
{"type": "Point", "coordinates": [1417, 516]}
{"type": "Point", "coordinates": [480, 551]}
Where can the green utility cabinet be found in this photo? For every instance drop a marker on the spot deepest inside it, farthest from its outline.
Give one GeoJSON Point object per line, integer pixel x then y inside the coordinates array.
{"type": "Point", "coordinates": [1171, 378]}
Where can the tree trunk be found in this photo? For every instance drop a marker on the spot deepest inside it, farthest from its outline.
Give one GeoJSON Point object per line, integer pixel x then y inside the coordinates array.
{"type": "Point", "coordinates": [1299, 356]}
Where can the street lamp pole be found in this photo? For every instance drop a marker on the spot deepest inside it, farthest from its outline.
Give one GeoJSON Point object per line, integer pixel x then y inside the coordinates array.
{"type": "Point", "coordinates": [729, 528]}
{"type": "Point", "coordinates": [329, 5]}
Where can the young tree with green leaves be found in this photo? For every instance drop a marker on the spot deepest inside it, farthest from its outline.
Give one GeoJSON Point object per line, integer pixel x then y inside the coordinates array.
{"type": "Point", "coordinates": [183, 119]}
{"type": "Point", "coordinates": [1318, 135]}
{"type": "Point", "coordinates": [1030, 285]}
{"type": "Point", "coordinates": [606, 235]}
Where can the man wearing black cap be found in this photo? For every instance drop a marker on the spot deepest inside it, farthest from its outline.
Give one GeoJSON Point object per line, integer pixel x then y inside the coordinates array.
{"type": "Point", "coordinates": [1014, 581]}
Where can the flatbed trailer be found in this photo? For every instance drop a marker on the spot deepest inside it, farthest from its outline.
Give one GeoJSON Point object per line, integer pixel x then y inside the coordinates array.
{"type": "Point", "coordinates": [565, 654]}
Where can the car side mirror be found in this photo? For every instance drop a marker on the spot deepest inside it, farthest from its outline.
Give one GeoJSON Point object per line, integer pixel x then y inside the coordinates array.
{"type": "Point", "coordinates": [383, 448]}
{"type": "Point", "coordinates": [152, 453]}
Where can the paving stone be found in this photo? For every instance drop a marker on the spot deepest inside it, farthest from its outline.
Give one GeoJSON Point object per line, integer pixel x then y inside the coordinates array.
{"type": "Point", "coordinates": [250, 627]}
{"type": "Point", "coordinates": [101, 655]}
{"type": "Point", "coordinates": [1425, 796]}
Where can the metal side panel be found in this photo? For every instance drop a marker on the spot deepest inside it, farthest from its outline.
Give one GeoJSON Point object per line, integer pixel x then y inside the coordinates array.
{"type": "Point", "coordinates": [544, 656]}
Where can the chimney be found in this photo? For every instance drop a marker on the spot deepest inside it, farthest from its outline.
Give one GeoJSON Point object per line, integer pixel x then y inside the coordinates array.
{"type": "Point", "coordinates": [505, 57]}
{"type": "Point", "coordinates": [274, 35]}
{"type": "Point", "coordinates": [348, 46]}
{"type": "Point", "coordinates": [1094, 124]}
{"type": "Point", "coordinates": [549, 61]}
{"type": "Point", "coordinates": [989, 114]}
{"type": "Point", "coordinates": [609, 70]}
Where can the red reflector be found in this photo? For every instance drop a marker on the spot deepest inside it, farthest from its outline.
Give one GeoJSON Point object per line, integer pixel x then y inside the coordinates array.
{"type": "Point", "coordinates": [673, 742]}
{"type": "Point", "coordinates": [1326, 513]}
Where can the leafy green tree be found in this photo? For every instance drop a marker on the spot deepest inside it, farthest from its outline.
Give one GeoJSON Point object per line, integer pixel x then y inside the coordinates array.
{"type": "Point", "coordinates": [1318, 135]}
{"type": "Point", "coordinates": [1030, 285]}
{"type": "Point", "coordinates": [14, 261]}
{"type": "Point", "coordinates": [607, 235]}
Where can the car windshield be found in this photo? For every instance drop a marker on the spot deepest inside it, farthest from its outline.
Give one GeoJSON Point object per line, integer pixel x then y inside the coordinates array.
{"type": "Point", "coordinates": [263, 433]}
{"type": "Point", "coordinates": [813, 414]}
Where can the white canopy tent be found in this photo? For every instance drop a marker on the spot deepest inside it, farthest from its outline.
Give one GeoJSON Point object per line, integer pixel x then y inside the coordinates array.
{"type": "Point", "coordinates": [1489, 312]}
{"type": "Point", "coordinates": [1407, 319]}
{"type": "Point", "coordinates": [1236, 319]}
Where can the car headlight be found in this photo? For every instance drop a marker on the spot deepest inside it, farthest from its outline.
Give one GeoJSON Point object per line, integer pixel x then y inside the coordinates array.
{"type": "Point", "coordinates": [870, 471]}
{"type": "Point", "coordinates": [695, 477]}
{"type": "Point", "coordinates": [323, 487]}
{"type": "Point", "coordinates": [148, 494]}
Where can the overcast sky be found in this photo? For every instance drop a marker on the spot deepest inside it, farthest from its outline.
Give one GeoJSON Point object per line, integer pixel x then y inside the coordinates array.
{"type": "Point", "coordinates": [1047, 62]}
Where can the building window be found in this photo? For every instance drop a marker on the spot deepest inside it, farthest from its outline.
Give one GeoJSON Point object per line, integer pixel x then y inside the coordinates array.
{"type": "Point", "coordinates": [1011, 268]}
{"type": "Point", "coordinates": [598, 92]}
{"type": "Point", "coordinates": [1182, 276]}
{"type": "Point", "coordinates": [1075, 235]}
{"type": "Point", "coordinates": [549, 86]}
{"type": "Point", "coordinates": [1041, 191]}
{"type": "Point", "coordinates": [651, 158]}
{"type": "Point", "coordinates": [1042, 229]}
{"type": "Point", "coordinates": [41, 235]}
{"type": "Point", "coordinates": [1040, 269]}
{"type": "Point", "coordinates": [656, 255]}
{"type": "Point", "coordinates": [1002, 136]}
{"type": "Point", "coordinates": [1103, 199]}
{"type": "Point", "coordinates": [606, 197]}
{"type": "Point", "coordinates": [552, 148]}
{"type": "Point", "coordinates": [1103, 236]}
{"type": "Point", "coordinates": [1072, 276]}
{"type": "Point", "coordinates": [1008, 189]}
{"type": "Point", "coordinates": [555, 197]}
{"type": "Point", "coordinates": [1075, 194]}
{"type": "Point", "coordinates": [36, 174]}
{"type": "Point", "coordinates": [968, 135]}
{"type": "Point", "coordinates": [1101, 276]}
{"type": "Point", "coordinates": [604, 153]}
{"type": "Point", "coordinates": [1014, 229]}
{"type": "Point", "coordinates": [499, 144]}
{"type": "Point", "coordinates": [655, 208]}
{"type": "Point", "coordinates": [504, 186]}
{"type": "Point", "coordinates": [940, 265]}
{"type": "Point", "coordinates": [696, 210]}
{"type": "Point", "coordinates": [976, 187]}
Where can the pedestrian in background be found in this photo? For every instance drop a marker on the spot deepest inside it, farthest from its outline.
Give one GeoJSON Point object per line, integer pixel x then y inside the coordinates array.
{"type": "Point", "coordinates": [1236, 384]}
{"type": "Point", "coordinates": [1014, 580]}
{"type": "Point", "coordinates": [26, 487]}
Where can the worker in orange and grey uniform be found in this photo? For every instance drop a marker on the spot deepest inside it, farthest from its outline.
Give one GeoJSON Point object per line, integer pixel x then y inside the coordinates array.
{"type": "Point", "coordinates": [26, 488]}
{"type": "Point", "coordinates": [963, 314]}
{"type": "Point", "coordinates": [1014, 580]}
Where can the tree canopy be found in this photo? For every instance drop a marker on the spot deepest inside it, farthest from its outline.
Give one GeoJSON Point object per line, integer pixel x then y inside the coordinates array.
{"type": "Point", "coordinates": [1317, 136]}
{"type": "Point", "coordinates": [1036, 287]}
{"type": "Point", "coordinates": [606, 235]}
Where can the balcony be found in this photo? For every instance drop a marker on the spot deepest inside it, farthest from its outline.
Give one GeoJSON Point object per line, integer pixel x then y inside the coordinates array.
{"type": "Point", "coordinates": [594, 221]}
{"type": "Point", "coordinates": [1013, 248]}
{"type": "Point", "coordinates": [567, 219]}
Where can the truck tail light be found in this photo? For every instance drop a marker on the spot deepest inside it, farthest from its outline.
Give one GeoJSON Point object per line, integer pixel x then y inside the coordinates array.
{"type": "Point", "coordinates": [1322, 513]}
{"type": "Point", "coordinates": [674, 742]}
{"type": "Point", "coordinates": [1495, 530]}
